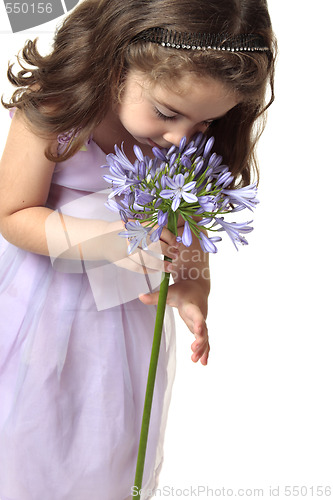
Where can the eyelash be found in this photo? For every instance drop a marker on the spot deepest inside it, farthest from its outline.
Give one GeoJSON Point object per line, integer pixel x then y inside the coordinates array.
{"type": "Point", "coordinates": [162, 116]}
{"type": "Point", "coordinates": [169, 118]}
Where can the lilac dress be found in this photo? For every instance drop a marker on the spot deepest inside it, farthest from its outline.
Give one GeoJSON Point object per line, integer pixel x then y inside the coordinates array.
{"type": "Point", "coordinates": [74, 354]}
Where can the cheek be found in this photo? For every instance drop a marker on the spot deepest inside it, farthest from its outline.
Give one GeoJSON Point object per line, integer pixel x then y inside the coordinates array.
{"type": "Point", "coordinates": [139, 119]}
{"type": "Point", "coordinates": [142, 124]}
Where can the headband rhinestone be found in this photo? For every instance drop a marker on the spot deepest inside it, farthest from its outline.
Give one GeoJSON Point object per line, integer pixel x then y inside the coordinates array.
{"type": "Point", "coordinates": [204, 41]}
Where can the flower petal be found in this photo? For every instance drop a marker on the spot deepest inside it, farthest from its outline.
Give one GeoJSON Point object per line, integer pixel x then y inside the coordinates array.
{"type": "Point", "coordinates": [167, 193]}
{"type": "Point", "coordinates": [170, 182]}
{"type": "Point", "coordinates": [186, 162]}
{"type": "Point", "coordinates": [189, 185]}
{"type": "Point", "coordinates": [162, 218]}
{"type": "Point", "coordinates": [187, 235]}
{"type": "Point", "coordinates": [179, 180]}
{"type": "Point", "coordinates": [189, 197]}
{"type": "Point", "coordinates": [182, 145]}
{"type": "Point", "coordinates": [208, 147]}
{"type": "Point", "coordinates": [155, 235]}
{"type": "Point", "coordinates": [138, 152]}
{"type": "Point", "coordinates": [206, 244]}
{"type": "Point", "coordinates": [176, 202]}
{"type": "Point", "coordinates": [159, 154]}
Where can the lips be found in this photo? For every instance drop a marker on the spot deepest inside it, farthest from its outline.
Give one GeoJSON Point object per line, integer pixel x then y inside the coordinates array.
{"type": "Point", "coordinates": [152, 143]}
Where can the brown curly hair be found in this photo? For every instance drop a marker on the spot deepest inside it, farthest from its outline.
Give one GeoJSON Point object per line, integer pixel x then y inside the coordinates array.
{"type": "Point", "coordinates": [71, 88]}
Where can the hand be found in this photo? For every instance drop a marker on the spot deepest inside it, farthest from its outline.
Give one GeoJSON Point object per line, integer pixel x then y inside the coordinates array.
{"type": "Point", "coordinates": [191, 302]}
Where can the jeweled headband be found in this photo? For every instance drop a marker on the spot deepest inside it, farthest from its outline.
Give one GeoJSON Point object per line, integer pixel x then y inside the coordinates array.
{"type": "Point", "coordinates": [204, 41]}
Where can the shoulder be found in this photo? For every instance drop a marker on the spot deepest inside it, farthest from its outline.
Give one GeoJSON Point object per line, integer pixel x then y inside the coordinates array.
{"type": "Point", "coordinates": [23, 136]}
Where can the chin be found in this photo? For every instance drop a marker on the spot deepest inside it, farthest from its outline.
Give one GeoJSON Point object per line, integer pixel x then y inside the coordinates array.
{"type": "Point", "coordinates": [141, 140]}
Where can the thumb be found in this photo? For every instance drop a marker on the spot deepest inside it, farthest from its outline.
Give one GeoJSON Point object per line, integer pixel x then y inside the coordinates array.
{"type": "Point", "coordinates": [149, 298]}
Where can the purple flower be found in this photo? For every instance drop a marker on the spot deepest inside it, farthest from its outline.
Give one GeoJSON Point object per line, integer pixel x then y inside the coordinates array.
{"type": "Point", "coordinates": [159, 154]}
{"type": "Point", "coordinates": [137, 234]}
{"type": "Point", "coordinates": [151, 188]}
{"type": "Point", "coordinates": [182, 145]}
{"type": "Point", "coordinates": [234, 230]}
{"type": "Point", "coordinates": [141, 170]}
{"type": "Point", "coordinates": [172, 160]}
{"type": "Point", "coordinates": [198, 166]}
{"type": "Point", "coordinates": [208, 147]}
{"type": "Point", "coordinates": [189, 150]}
{"type": "Point", "coordinates": [162, 218]}
{"type": "Point", "coordinates": [187, 235]}
{"type": "Point", "coordinates": [121, 158]}
{"type": "Point", "coordinates": [120, 182]}
{"type": "Point", "coordinates": [123, 216]}
{"type": "Point", "coordinates": [171, 151]}
{"type": "Point", "coordinates": [178, 191]}
{"type": "Point", "coordinates": [155, 235]}
{"type": "Point", "coordinates": [138, 152]}
{"type": "Point", "coordinates": [224, 180]}
{"type": "Point", "coordinates": [245, 196]}
{"type": "Point", "coordinates": [186, 162]}
{"type": "Point", "coordinates": [121, 207]}
{"type": "Point", "coordinates": [215, 161]}
{"type": "Point", "coordinates": [197, 139]}
{"type": "Point", "coordinates": [206, 220]}
{"type": "Point", "coordinates": [207, 202]}
{"type": "Point", "coordinates": [172, 171]}
{"type": "Point", "coordinates": [143, 198]}
{"type": "Point", "coordinates": [163, 181]}
{"type": "Point", "coordinates": [206, 244]}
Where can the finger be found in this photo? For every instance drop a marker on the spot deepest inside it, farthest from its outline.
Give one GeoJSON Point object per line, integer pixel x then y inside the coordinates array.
{"type": "Point", "coordinates": [149, 298]}
{"type": "Point", "coordinates": [168, 237]}
{"type": "Point", "coordinates": [200, 346]}
{"type": "Point", "coordinates": [161, 248]}
{"type": "Point", "coordinates": [200, 350]}
{"type": "Point", "coordinates": [204, 358]}
{"type": "Point", "coordinates": [152, 298]}
{"type": "Point", "coordinates": [193, 318]}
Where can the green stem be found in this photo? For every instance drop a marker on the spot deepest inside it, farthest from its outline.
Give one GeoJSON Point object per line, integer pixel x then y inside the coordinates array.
{"type": "Point", "coordinates": [172, 226]}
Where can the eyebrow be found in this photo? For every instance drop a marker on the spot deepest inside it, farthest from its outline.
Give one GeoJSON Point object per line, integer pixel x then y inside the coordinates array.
{"type": "Point", "coordinates": [170, 108]}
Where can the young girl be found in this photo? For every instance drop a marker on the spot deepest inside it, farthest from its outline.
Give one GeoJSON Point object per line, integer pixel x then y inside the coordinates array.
{"type": "Point", "coordinates": [75, 337]}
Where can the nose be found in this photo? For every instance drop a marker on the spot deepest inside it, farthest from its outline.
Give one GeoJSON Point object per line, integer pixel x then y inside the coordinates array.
{"type": "Point", "coordinates": [175, 134]}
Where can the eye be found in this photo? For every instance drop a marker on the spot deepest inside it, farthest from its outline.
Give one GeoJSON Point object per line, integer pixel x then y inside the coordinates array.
{"type": "Point", "coordinates": [162, 116]}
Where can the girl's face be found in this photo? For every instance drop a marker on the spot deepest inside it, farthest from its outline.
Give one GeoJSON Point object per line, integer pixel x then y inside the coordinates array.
{"type": "Point", "coordinates": [157, 116]}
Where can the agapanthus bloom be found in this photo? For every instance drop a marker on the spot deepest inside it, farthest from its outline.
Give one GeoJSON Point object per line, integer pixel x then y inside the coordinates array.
{"type": "Point", "coordinates": [136, 234]}
{"type": "Point", "coordinates": [178, 190]}
{"type": "Point", "coordinates": [189, 181]}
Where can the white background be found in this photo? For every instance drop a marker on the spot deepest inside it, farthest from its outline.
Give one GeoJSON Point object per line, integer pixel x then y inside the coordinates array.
{"type": "Point", "coordinates": [260, 414]}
